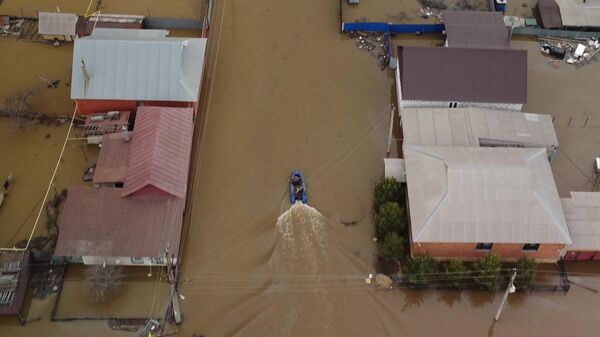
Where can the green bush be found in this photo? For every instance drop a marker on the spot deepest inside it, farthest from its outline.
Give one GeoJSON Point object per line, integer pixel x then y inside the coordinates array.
{"type": "Point", "coordinates": [487, 272]}
{"type": "Point", "coordinates": [391, 219]}
{"type": "Point", "coordinates": [388, 189]}
{"type": "Point", "coordinates": [419, 268]}
{"type": "Point", "coordinates": [455, 273]}
{"type": "Point", "coordinates": [391, 247]}
{"type": "Point", "coordinates": [525, 273]}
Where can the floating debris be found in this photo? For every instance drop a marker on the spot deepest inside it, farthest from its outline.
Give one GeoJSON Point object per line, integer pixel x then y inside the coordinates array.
{"type": "Point", "coordinates": [374, 43]}
{"type": "Point", "coordinates": [576, 51]}
{"type": "Point", "coordinates": [10, 26]}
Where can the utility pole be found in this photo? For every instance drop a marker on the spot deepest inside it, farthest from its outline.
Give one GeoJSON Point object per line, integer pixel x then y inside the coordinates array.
{"type": "Point", "coordinates": [509, 290]}
{"type": "Point", "coordinates": [171, 276]}
{"type": "Point", "coordinates": [391, 130]}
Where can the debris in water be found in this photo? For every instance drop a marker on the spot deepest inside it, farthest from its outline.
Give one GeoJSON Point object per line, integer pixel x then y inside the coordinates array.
{"type": "Point", "coordinates": [374, 43]}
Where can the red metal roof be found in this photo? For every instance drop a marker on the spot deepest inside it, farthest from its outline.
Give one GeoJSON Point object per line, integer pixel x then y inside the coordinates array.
{"type": "Point", "coordinates": [160, 150]}
{"type": "Point", "coordinates": [112, 162]}
{"type": "Point", "coordinates": [99, 222]}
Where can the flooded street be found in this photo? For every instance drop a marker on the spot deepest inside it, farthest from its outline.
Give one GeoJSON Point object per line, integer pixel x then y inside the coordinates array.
{"type": "Point", "coordinates": [285, 91]}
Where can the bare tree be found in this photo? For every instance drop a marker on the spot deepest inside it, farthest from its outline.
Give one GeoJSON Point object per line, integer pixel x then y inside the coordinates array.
{"type": "Point", "coordinates": [18, 107]}
{"type": "Point", "coordinates": [103, 281]}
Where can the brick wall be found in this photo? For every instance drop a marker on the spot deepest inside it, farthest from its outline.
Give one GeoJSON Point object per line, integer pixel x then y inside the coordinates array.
{"type": "Point", "coordinates": [467, 251]}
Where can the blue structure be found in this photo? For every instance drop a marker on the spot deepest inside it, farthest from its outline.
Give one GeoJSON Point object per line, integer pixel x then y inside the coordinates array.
{"type": "Point", "coordinates": [297, 187]}
{"type": "Point", "coordinates": [381, 27]}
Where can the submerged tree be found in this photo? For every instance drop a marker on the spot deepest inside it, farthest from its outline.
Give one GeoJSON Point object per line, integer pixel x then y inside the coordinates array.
{"type": "Point", "coordinates": [103, 281]}
{"type": "Point", "coordinates": [455, 273]}
{"type": "Point", "coordinates": [18, 106]}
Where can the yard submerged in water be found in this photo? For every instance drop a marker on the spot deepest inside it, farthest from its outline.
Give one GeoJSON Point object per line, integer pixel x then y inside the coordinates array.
{"type": "Point", "coordinates": [287, 91]}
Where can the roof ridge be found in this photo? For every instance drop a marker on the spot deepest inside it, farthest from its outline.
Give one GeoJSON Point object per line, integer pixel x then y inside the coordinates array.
{"type": "Point", "coordinates": [556, 222]}
{"type": "Point", "coordinates": [430, 217]}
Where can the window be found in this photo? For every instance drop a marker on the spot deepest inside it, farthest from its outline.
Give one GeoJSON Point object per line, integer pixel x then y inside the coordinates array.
{"type": "Point", "coordinates": [454, 105]}
{"type": "Point", "coordinates": [137, 260]}
{"type": "Point", "coordinates": [531, 247]}
{"type": "Point", "coordinates": [157, 260]}
{"type": "Point", "coordinates": [484, 246]}
{"type": "Point", "coordinates": [450, 104]}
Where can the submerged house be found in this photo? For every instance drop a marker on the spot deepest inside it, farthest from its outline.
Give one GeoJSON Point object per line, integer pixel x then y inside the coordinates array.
{"type": "Point", "coordinates": [465, 202]}
{"type": "Point", "coordinates": [574, 13]}
{"type": "Point", "coordinates": [461, 77]}
{"type": "Point", "coordinates": [582, 211]}
{"type": "Point", "coordinates": [57, 26]}
{"type": "Point", "coordinates": [478, 127]}
{"type": "Point", "coordinates": [121, 69]}
{"type": "Point", "coordinates": [475, 29]}
{"type": "Point", "coordinates": [134, 214]}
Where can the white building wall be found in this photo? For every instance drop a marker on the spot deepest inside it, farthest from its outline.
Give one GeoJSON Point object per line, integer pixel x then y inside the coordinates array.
{"type": "Point", "coordinates": [123, 261]}
{"type": "Point", "coordinates": [446, 104]}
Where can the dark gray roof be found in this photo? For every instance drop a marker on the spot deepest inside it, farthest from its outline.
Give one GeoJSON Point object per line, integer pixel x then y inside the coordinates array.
{"type": "Point", "coordinates": [463, 75]}
{"type": "Point", "coordinates": [473, 29]}
{"type": "Point", "coordinates": [550, 14]}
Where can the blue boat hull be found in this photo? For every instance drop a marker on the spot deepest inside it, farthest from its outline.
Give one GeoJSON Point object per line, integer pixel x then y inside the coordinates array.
{"type": "Point", "coordinates": [294, 196]}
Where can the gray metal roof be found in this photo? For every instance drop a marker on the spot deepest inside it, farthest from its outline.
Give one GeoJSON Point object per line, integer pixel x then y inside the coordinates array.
{"type": "Point", "coordinates": [463, 74]}
{"type": "Point", "coordinates": [577, 13]}
{"type": "Point", "coordinates": [147, 67]}
{"type": "Point", "coordinates": [476, 29]}
{"type": "Point", "coordinates": [467, 126]}
{"type": "Point", "coordinates": [550, 14]}
{"type": "Point", "coordinates": [475, 194]}
{"type": "Point", "coordinates": [582, 212]}
{"type": "Point", "coordinates": [57, 23]}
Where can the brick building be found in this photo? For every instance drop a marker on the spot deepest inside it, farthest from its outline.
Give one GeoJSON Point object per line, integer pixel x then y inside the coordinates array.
{"type": "Point", "coordinates": [465, 202]}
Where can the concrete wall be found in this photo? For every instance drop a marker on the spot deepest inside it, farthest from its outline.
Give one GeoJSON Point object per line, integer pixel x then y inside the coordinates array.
{"type": "Point", "coordinates": [508, 252]}
{"type": "Point", "coordinates": [92, 106]}
{"type": "Point", "coordinates": [446, 104]}
{"type": "Point", "coordinates": [122, 261]}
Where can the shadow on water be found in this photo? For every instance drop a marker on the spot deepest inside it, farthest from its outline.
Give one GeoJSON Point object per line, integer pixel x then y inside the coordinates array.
{"type": "Point", "coordinates": [449, 297]}
{"type": "Point", "coordinates": [479, 299]}
{"type": "Point", "coordinates": [413, 298]}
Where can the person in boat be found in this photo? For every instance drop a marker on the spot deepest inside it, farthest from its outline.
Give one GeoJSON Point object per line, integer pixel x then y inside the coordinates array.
{"type": "Point", "coordinates": [296, 180]}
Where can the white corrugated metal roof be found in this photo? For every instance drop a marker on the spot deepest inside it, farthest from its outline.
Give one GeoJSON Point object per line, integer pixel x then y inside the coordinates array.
{"type": "Point", "coordinates": [57, 23]}
{"type": "Point", "coordinates": [577, 13]}
{"type": "Point", "coordinates": [582, 212]}
{"type": "Point", "coordinates": [466, 127]}
{"type": "Point", "coordinates": [394, 167]}
{"type": "Point", "coordinates": [476, 194]}
{"type": "Point", "coordinates": [125, 67]}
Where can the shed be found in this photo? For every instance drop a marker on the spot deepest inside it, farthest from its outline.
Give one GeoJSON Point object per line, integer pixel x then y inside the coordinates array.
{"type": "Point", "coordinates": [582, 212]}
{"type": "Point", "coordinates": [15, 271]}
{"type": "Point", "coordinates": [550, 14]}
{"type": "Point", "coordinates": [167, 72]}
{"type": "Point", "coordinates": [159, 156]}
{"type": "Point", "coordinates": [467, 201]}
{"type": "Point", "coordinates": [99, 226]}
{"type": "Point", "coordinates": [111, 167]}
{"type": "Point", "coordinates": [61, 26]}
{"type": "Point", "coordinates": [477, 127]}
{"type": "Point", "coordinates": [475, 29]}
{"type": "Point", "coordinates": [461, 77]}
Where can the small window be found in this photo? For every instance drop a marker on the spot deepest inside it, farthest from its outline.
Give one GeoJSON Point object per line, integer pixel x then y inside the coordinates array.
{"type": "Point", "coordinates": [484, 246]}
{"type": "Point", "coordinates": [450, 104]}
{"type": "Point", "coordinates": [137, 260]}
{"type": "Point", "coordinates": [454, 105]}
{"type": "Point", "coordinates": [157, 260]}
{"type": "Point", "coordinates": [531, 247]}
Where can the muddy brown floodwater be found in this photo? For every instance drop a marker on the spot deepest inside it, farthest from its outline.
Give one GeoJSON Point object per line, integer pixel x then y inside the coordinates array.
{"type": "Point", "coordinates": [287, 91]}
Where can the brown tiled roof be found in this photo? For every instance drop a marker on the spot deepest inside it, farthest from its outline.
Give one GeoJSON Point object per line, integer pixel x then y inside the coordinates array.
{"type": "Point", "coordinates": [99, 222]}
{"type": "Point", "coordinates": [160, 151]}
{"type": "Point", "coordinates": [550, 14]}
{"type": "Point", "coordinates": [463, 74]}
{"type": "Point", "coordinates": [112, 162]}
{"type": "Point", "coordinates": [476, 29]}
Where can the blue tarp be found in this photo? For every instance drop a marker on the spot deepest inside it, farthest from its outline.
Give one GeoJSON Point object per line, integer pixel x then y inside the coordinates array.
{"type": "Point", "coordinates": [392, 27]}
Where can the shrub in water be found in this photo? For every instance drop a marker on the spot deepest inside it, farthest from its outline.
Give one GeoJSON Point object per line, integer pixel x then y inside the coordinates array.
{"type": "Point", "coordinates": [388, 189]}
{"type": "Point", "coordinates": [525, 273]}
{"type": "Point", "coordinates": [390, 219]}
{"type": "Point", "coordinates": [391, 247]}
{"type": "Point", "coordinates": [487, 272]}
{"type": "Point", "coordinates": [455, 273]}
{"type": "Point", "coordinates": [419, 268]}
